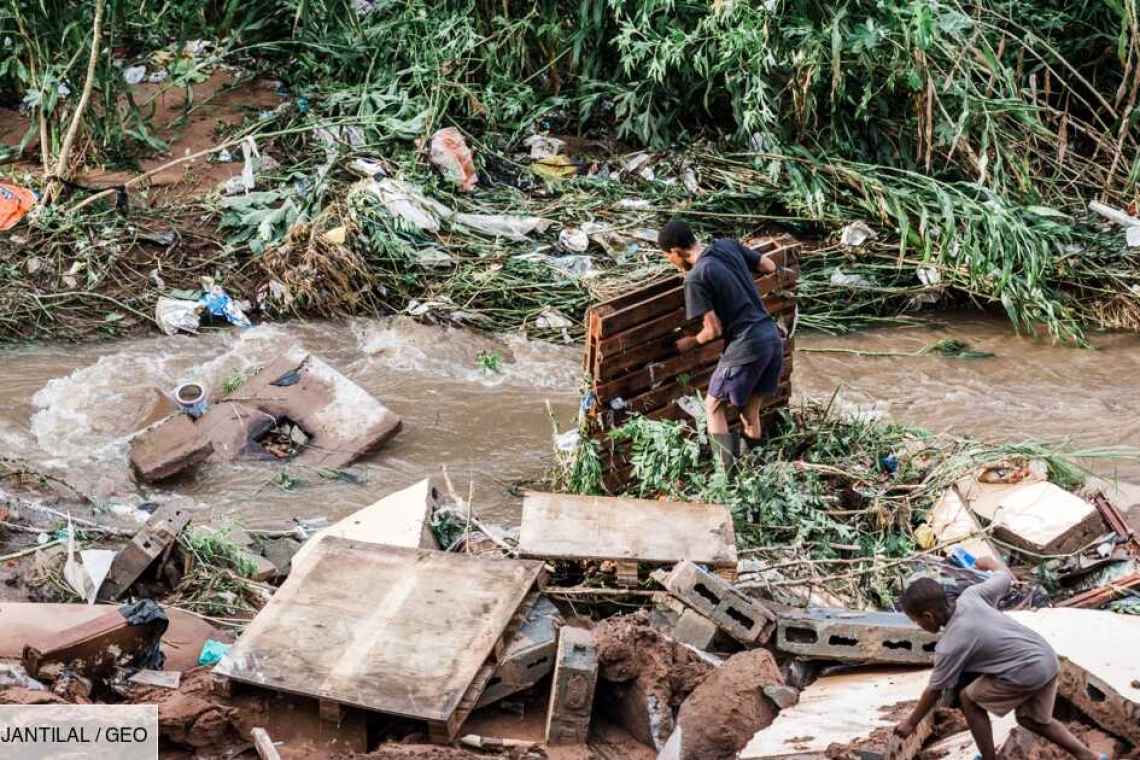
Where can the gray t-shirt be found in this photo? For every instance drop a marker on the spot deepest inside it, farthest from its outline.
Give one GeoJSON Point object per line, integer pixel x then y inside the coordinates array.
{"type": "Point", "coordinates": [980, 639]}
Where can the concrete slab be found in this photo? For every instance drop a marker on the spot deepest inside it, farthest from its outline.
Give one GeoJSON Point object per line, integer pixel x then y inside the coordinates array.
{"type": "Point", "coordinates": [402, 518]}
{"type": "Point", "coordinates": [1100, 667]}
{"type": "Point", "coordinates": [342, 420]}
{"type": "Point", "coordinates": [855, 711]}
{"type": "Point", "coordinates": [855, 636]}
{"type": "Point", "coordinates": [528, 656]}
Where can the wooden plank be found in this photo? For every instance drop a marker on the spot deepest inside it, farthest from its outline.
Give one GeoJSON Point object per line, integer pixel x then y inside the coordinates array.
{"type": "Point", "coordinates": [385, 628]}
{"type": "Point", "coordinates": [556, 526]}
{"type": "Point", "coordinates": [841, 710]}
{"type": "Point", "coordinates": [669, 300]}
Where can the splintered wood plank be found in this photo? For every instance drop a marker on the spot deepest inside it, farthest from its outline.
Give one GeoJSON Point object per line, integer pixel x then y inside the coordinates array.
{"type": "Point", "coordinates": [385, 628]}
{"type": "Point", "coordinates": [555, 526]}
{"type": "Point", "coordinates": [844, 710]}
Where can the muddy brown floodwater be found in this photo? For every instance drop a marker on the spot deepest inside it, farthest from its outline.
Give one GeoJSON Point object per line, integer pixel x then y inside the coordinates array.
{"type": "Point", "coordinates": [74, 408]}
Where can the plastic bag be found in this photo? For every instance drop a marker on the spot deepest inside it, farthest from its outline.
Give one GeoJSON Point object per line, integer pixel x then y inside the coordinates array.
{"type": "Point", "coordinates": [213, 651]}
{"type": "Point", "coordinates": [15, 201]}
{"type": "Point", "coordinates": [407, 202]}
{"type": "Point", "coordinates": [174, 315]}
{"type": "Point", "coordinates": [450, 154]}
{"type": "Point", "coordinates": [220, 304]}
{"type": "Point", "coordinates": [573, 240]}
{"type": "Point", "coordinates": [503, 225]}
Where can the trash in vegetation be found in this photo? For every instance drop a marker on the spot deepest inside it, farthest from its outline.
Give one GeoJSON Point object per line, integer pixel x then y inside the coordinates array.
{"type": "Point", "coordinates": [174, 315]}
{"type": "Point", "coordinates": [15, 202]}
{"type": "Point", "coordinates": [450, 154]}
{"type": "Point", "coordinates": [855, 234]}
{"type": "Point", "coordinates": [213, 652]}
{"type": "Point", "coordinates": [573, 240]}
{"type": "Point", "coordinates": [191, 398]}
{"type": "Point", "coordinates": [219, 304]}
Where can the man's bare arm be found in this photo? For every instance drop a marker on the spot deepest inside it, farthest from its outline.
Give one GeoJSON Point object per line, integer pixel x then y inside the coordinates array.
{"type": "Point", "coordinates": [925, 704]}
{"type": "Point", "coordinates": [710, 331]}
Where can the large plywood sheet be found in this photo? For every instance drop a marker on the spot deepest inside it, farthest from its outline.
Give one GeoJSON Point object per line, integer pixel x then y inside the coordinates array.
{"type": "Point", "coordinates": [391, 629]}
{"type": "Point", "coordinates": [842, 710]}
{"type": "Point", "coordinates": [658, 532]}
{"type": "Point", "coordinates": [1038, 516]}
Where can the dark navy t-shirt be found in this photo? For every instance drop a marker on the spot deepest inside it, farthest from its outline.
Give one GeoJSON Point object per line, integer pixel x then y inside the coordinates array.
{"type": "Point", "coordinates": [721, 281]}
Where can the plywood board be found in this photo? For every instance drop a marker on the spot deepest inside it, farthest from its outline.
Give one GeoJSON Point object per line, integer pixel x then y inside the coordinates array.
{"type": "Point", "coordinates": [402, 518]}
{"type": "Point", "coordinates": [556, 526]}
{"type": "Point", "coordinates": [385, 628]}
{"type": "Point", "coordinates": [842, 710]}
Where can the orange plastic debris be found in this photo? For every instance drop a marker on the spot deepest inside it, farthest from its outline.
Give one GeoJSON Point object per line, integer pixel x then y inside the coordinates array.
{"type": "Point", "coordinates": [15, 201]}
{"type": "Point", "coordinates": [450, 154]}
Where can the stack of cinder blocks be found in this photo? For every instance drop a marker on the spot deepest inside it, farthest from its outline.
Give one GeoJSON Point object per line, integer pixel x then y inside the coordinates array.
{"type": "Point", "coordinates": [855, 636]}
{"type": "Point", "coordinates": [714, 599]}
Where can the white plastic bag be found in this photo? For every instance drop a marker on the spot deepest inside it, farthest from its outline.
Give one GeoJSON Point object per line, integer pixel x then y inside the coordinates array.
{"type": "Point", "coordinates": [174, 315]}
{"type": "Point", "coordinates": [503, 225]}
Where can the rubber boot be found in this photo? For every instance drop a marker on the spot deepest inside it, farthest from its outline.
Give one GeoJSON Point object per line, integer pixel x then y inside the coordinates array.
{"type": "Point", "coordinates": [722, 446]}
{"type": "Point", "coordinates": [751, 444]}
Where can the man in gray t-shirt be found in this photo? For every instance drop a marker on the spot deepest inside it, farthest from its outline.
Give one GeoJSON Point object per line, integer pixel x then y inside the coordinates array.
{"type": "Point", "coordinates": [1014, 668]}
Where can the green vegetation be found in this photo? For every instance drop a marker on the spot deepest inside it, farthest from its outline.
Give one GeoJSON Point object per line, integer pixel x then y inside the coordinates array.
{"type": "Point", "coordinates": [969, 137]}
{"type": "Point", "coordinates": [825, 491]}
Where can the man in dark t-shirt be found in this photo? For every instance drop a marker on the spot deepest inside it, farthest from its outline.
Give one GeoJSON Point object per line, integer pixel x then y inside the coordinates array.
{"type": "Point", "coordinates": [720, 290]}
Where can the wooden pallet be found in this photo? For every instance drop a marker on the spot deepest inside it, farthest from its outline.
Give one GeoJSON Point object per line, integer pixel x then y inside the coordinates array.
{"type": "Point", "coordinates": [408, 632]}
{"type": "Point", "coordinates": [635, 368]}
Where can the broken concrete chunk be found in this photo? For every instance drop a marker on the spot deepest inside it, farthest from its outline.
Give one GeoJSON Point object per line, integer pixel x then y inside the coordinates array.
{"type": "Point", "coordinates": [296, 398]}
{"type": "Point", "coordinates": [572, 690]}
{"type": "Point", "coordinates": [402, 518]}
{"type": "Point", "coordinates": [961, 746]}
{"type": "Point", "coordinates": [854, 712]}
{"type": "Point", "coordinates": [740, 616]}
{"type": "Point", "coordinates": [782, 696]}
{"type": "Point", "coordinates": [1040, 517]}
{"type": "Point", "coordinates": [264, 569]}
{"type": "Point", "coordinates": [1098, 663]}
{"type": "Point", "coordinates": [683, 625]}
{"type": "Point", "coordinates": [152, 540]}
{"type": "Point", "coordinates": [164, 679]}
{"type": "Point", "coordinates": [729, 706]}
{"type": "Point", "coordinates": [855, 636]}
{"type": "Point", "coordinates": [528, 656]}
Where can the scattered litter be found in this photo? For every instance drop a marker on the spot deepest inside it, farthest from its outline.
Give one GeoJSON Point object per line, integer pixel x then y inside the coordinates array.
{"type": "Point", "coordinates": [558, 167]}
{"type": "Point", "coordinates": [576, 267]}
{"type": "Point", "coordinates": [573, 240]}
{"type": "Point", "coordinates": [690, 181]}
{"type": "Point", "coordinates": [174, 315]}
{"type": "Point", "coordinates": [450, 154]}
{"type": "Point", "coordinates": [86, 576]}
{"type": "Point", "coordinates": [408, 203]}
{"type": "Point", "coordinates": [134, 74]}
{"type": "Point", "coordinates": [213, 652]}
{"type": "Point", "coordinates": [856, 234]}
{"type": "Point", "coordinates": [502, 225]}
{"type": "Point", "coordinates": [13, 677]}
{"type": "Point", "coordinates": [567, 441]}
{"type": "Point", "coordinates": [640, 165]}
{"type": "Point", "coordinates": [219, 304]}
{"type": "Point", "coordinates": [543, 146]}
{"type": "Point", "coordinates": [369, 168]}
{"type": "Point", "coordinates": [15, 202]}
{"type": "Point", "coordinates": [839, 279]}
{"type": "Point", "coordinates": [552, 319]}
{"type": "Point", "coordinates": [635, 204]}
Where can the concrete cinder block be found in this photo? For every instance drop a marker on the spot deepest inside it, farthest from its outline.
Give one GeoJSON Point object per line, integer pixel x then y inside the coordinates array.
{"type": "Point", "coordinates": [696, 630]}
{"type": "Point", "coordinates": [528, 656]}
{"type": "Point", "coordinates": [572, 690]}
{"type": "Point", "coordinates": [855, 636]}
{"type": "Point", "coordinates": [738, 615]}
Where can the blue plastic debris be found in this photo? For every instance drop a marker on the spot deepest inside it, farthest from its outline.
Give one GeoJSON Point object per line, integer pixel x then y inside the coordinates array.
{"type": "Point", "coordinates": [219, 303]}
{"type": "Point", "coordinates": [962, 558]}
{"type": "Point", "coordinates": [213, 651]}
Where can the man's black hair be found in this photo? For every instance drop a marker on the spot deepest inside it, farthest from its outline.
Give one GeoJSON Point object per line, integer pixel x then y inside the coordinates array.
{"type": "Point", "coordinates": [924, 595]}
{"type": "Point", "coordinates": [676, 235]}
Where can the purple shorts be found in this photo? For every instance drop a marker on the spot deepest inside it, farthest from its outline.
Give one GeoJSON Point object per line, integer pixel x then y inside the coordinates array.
{"type": "Point", "coordinates": [760, 378]}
